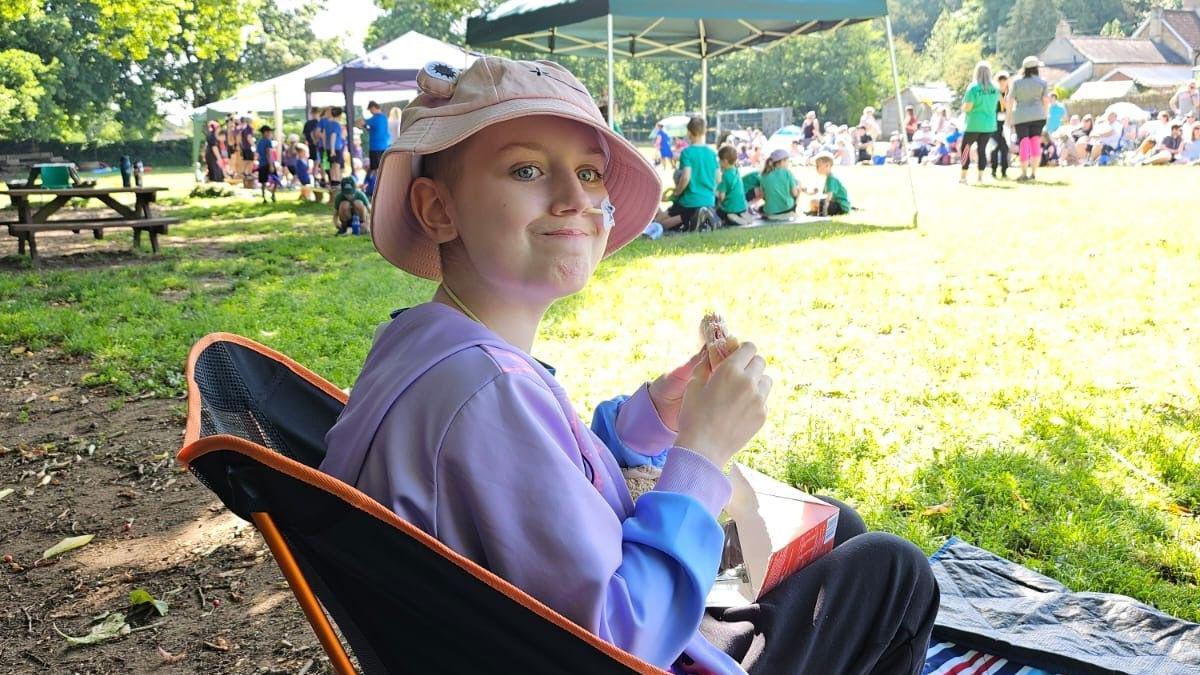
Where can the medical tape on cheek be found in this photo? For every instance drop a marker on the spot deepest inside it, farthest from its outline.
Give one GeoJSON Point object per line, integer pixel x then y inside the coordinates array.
{"type": "Point", "coordinates": [609, 213]}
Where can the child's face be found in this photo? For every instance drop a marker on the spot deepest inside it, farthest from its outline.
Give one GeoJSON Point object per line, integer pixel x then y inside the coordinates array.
{"type": "Point", "coordinates": [517, 207]}
{"type": "Point", "coordinates": [823, 167]}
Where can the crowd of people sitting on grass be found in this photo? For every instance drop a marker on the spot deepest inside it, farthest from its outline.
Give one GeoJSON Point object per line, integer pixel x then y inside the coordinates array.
{"type": "Point", "coordinates": [714, 188]}
{"type": "Point", "coordinates": [1012, 119]}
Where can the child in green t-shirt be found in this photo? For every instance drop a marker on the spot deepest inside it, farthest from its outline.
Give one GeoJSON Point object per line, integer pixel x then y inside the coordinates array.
{"type": "Point", "coordinates": [835, 201]}
{"type": "Point", "coordinates": [351, 208]}
{"type": "Point", "coordinates": [779, 187]}
{"type": "Point", "coordinates": [695, 186]}
{"type": "Point", "coordinates": [731, 193]}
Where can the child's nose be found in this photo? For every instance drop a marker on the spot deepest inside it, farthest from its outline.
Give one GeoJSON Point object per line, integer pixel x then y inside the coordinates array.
{"type": "Point", "coordinates": [569, 195]}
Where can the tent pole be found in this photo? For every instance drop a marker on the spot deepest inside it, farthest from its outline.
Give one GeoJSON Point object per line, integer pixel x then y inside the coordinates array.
{"type": "Point", "coordinates": [308, 107]}
{"type": "Point", "coordinates": [912, 187]}
{"type": "Point", "coordinates": [704, 87]}
{"type": "Point", "coordinates": [348, 88]}
{"type": "Point", "coordinates": [278, 113]}
{"type": "Point", "coordinates": [611, 100]}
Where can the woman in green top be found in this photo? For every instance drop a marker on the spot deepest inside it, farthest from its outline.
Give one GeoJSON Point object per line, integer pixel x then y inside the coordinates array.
{"type": "Point", "coordinates": [979, 104]}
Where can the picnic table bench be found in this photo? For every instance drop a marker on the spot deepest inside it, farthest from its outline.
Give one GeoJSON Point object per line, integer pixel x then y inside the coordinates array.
{"type": "Point", "coordinates": [137, 216]}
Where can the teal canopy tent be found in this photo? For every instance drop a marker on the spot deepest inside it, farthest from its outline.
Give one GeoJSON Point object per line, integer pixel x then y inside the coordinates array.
{"type": "Point", "coordinates": [696, 29]}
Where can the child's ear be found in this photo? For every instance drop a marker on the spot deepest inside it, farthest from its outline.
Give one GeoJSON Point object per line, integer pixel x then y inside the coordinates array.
{"type": "Point", "coordinates": [428, 202]}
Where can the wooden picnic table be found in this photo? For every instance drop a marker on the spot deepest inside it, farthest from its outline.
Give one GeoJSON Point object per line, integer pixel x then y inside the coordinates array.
{"type": "Point", "coordinates": [35, 217]}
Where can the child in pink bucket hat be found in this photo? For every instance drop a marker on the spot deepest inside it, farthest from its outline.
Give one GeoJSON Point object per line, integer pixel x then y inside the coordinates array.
{"type": "Point", "coordinates": [506, 186]}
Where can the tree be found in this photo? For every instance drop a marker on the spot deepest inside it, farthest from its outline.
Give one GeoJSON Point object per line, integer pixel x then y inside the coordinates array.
{"type": "Point", "coordinates": [23, 93]}
{"type": "Point", "coordinates": [913, 20]}
{"type": "Point", "coordinates": [837, 74]}
{"type": "Point", "coordinates": [1030, 27]}
{"type": "Point", "coordinates": [953, 49]}
{"type": "Point", "coordinates": [441, 19]}
{"type": "Point", "coordinates": [283, 41]}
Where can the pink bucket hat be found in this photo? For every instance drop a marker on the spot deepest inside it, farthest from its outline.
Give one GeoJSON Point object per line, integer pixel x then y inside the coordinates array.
{"type": "Point", "coordinates": [453, 106]}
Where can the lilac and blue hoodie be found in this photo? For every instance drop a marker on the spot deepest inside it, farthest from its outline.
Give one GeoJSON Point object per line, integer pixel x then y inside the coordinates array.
{"type": "Point", "coordinates": [474, 441]}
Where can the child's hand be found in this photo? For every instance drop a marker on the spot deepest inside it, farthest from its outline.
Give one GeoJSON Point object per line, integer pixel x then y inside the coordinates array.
{"type": "Point", "coordinates": [667, 391]}
{"type": "Point", "coordinates": [723, 410]}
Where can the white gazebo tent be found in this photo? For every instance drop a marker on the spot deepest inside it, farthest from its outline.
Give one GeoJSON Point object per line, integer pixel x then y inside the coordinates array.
{"type": "Point", "coordinates": [392, 66]}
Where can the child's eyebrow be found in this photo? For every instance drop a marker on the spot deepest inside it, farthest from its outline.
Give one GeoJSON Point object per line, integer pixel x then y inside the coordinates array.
{"type": "Point", "coordinates": [538, 147]}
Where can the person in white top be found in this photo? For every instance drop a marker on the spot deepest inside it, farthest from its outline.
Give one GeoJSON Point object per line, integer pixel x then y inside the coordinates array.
{"type": "Point", "coordinates": [1186, 100]}
{"type": "Point", "coordinates": [1106, 138]}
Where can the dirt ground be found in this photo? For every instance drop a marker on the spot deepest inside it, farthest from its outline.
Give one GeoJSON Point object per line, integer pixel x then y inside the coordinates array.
{"type": "Point", "coordinates": [89, 461]}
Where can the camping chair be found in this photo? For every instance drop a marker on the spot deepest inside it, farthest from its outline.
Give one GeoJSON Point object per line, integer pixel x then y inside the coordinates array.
{"type": "Point", "coordinates": [403, 601]}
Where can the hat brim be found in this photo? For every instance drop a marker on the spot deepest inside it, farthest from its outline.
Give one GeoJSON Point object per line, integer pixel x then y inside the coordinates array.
{"type": "Point", "coordinates": [632, 183]}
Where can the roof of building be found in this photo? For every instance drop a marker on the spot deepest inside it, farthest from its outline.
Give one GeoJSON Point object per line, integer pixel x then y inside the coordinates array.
{"type": "Point", "coordinates": [1103, 91]}
{"type": "Point", "coordinates": [1053, 74]}
{"type": "Point", "coordinates": [1154, 77]}
{"type": "Point", "coordinates": [1117, 50]}
{"type": "Point", "coordinates": [1186, 22]}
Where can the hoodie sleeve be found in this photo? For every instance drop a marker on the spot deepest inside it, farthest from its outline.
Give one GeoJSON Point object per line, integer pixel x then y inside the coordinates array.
{"type": "Point", "coordinates": [512, 494]}
{"type": "Point", "coordinates": [632, 429]}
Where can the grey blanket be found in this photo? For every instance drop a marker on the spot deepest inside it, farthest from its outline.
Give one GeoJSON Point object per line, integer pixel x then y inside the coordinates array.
{"type": "Point", "coordinates": [994, 605]}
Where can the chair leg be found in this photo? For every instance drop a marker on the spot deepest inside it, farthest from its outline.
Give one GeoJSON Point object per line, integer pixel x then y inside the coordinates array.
{"type": "Point", "coordinates": [154, 239]}
{"type": "Point", "coordinates": [21, 244]}
{"type": "Point", "coordinates": [137, 237]}
{"type": "Point", "coordinates": [338, 658]}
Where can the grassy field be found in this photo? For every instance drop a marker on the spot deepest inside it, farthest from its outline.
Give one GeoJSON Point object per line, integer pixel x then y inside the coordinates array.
{"type": "Point", "coordinates": [1021, 370]}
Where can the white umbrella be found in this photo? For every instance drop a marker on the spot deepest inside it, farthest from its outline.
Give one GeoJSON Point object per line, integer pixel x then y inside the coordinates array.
{"type": "Point", "coordinates": [1127, 110]}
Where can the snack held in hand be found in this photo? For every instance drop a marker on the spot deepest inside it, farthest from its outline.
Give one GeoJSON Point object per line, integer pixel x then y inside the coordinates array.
{"type": "Point", "coordinates": [717, 339]}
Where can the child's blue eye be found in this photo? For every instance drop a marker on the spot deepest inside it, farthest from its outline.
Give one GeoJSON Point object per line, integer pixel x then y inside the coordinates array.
{"type": "Point", "coordinates": [589, 175]}
{"type": "Point", "coordinates": [526, 173]}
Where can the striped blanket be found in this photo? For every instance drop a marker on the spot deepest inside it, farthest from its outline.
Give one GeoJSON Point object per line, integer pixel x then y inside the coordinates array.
{"type": "Point", "coordinates": [947, 658]}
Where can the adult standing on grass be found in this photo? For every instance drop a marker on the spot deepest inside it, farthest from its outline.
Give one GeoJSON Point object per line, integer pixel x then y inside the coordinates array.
{"type": "Point", "coordinates": [1186, 100]}
{"type": "Point", "coordinates": [378, 136]}
{"type": "Point", "coordinates": [1000, 154]}
{"type": "Point", "coordinates": [212, 153]}
{"type": "Point", "coordinates": [979, 104]}
{"type": "Point", "coordinates": [1056, 114]}
{"type": "Point", "coordinates": [1030, 103]}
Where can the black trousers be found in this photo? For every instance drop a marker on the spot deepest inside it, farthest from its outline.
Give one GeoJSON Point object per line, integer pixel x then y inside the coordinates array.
{"type": "Point", "coordinates": [1000, 156]}
{"type": "Point", "coordinates": [979, 139]}
{"type": "Point", "coordinates": [866, 607]}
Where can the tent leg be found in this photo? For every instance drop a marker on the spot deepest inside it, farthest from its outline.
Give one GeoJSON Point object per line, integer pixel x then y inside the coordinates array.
{"type": "Point", "coordinates": [704, 87]}
{"type": "Point", "coordinates": [349, 89]}
{"type": "Point", "coordinates": [308, 106]}
{"type": "Point", "coordinates": [278, 111]}
{"type": "Point", "coordinates": [611, 99]}
{"type": "Point", "coordinates": [912, 187]}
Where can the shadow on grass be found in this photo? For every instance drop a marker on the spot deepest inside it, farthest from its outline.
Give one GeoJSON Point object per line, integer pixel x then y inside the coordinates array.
{"type": "Point", "coordinates": [732, 239]}
{"type": "Point", "coordinates": [994, 186]}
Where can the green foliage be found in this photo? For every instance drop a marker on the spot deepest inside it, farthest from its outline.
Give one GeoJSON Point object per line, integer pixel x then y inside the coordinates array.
{"type": "Point", "coordinates": [951, 53]}
{"type": "Point", "coordinates": [106, 63]}
{"type": "Point", "coordinates": [836, 74]}
{"type": "Point", "coordinates": [1030, 27]}
{"type": "Point", "coordinates": [1113, 29]}
{"type": "Point", "coordinates": [283, 41]}
{"type": "Point", "coordinates": [913, 20]}
{"type": "Point", "coordinates": [441, 19]}
{"type": "Point", "coordinates": [23, 79]}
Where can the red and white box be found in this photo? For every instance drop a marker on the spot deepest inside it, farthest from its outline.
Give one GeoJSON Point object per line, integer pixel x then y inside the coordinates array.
{"type": "Point", "coordinates": [780, 528]}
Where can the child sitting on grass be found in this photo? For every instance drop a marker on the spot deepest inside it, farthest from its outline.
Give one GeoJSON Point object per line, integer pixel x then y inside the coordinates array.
{"type": "Point", "coordinates": [731, 193]}
{"type": "Point", "coordinates": [506, 187]}
{"type": "Point", "coordinates": [834, 200]}
{"type": "Point", "coordinates": [695, 188]}
{"type": "Point", "coordinates": [351, 208]}
{"type": "Point", "coordinates": [779, 187]}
